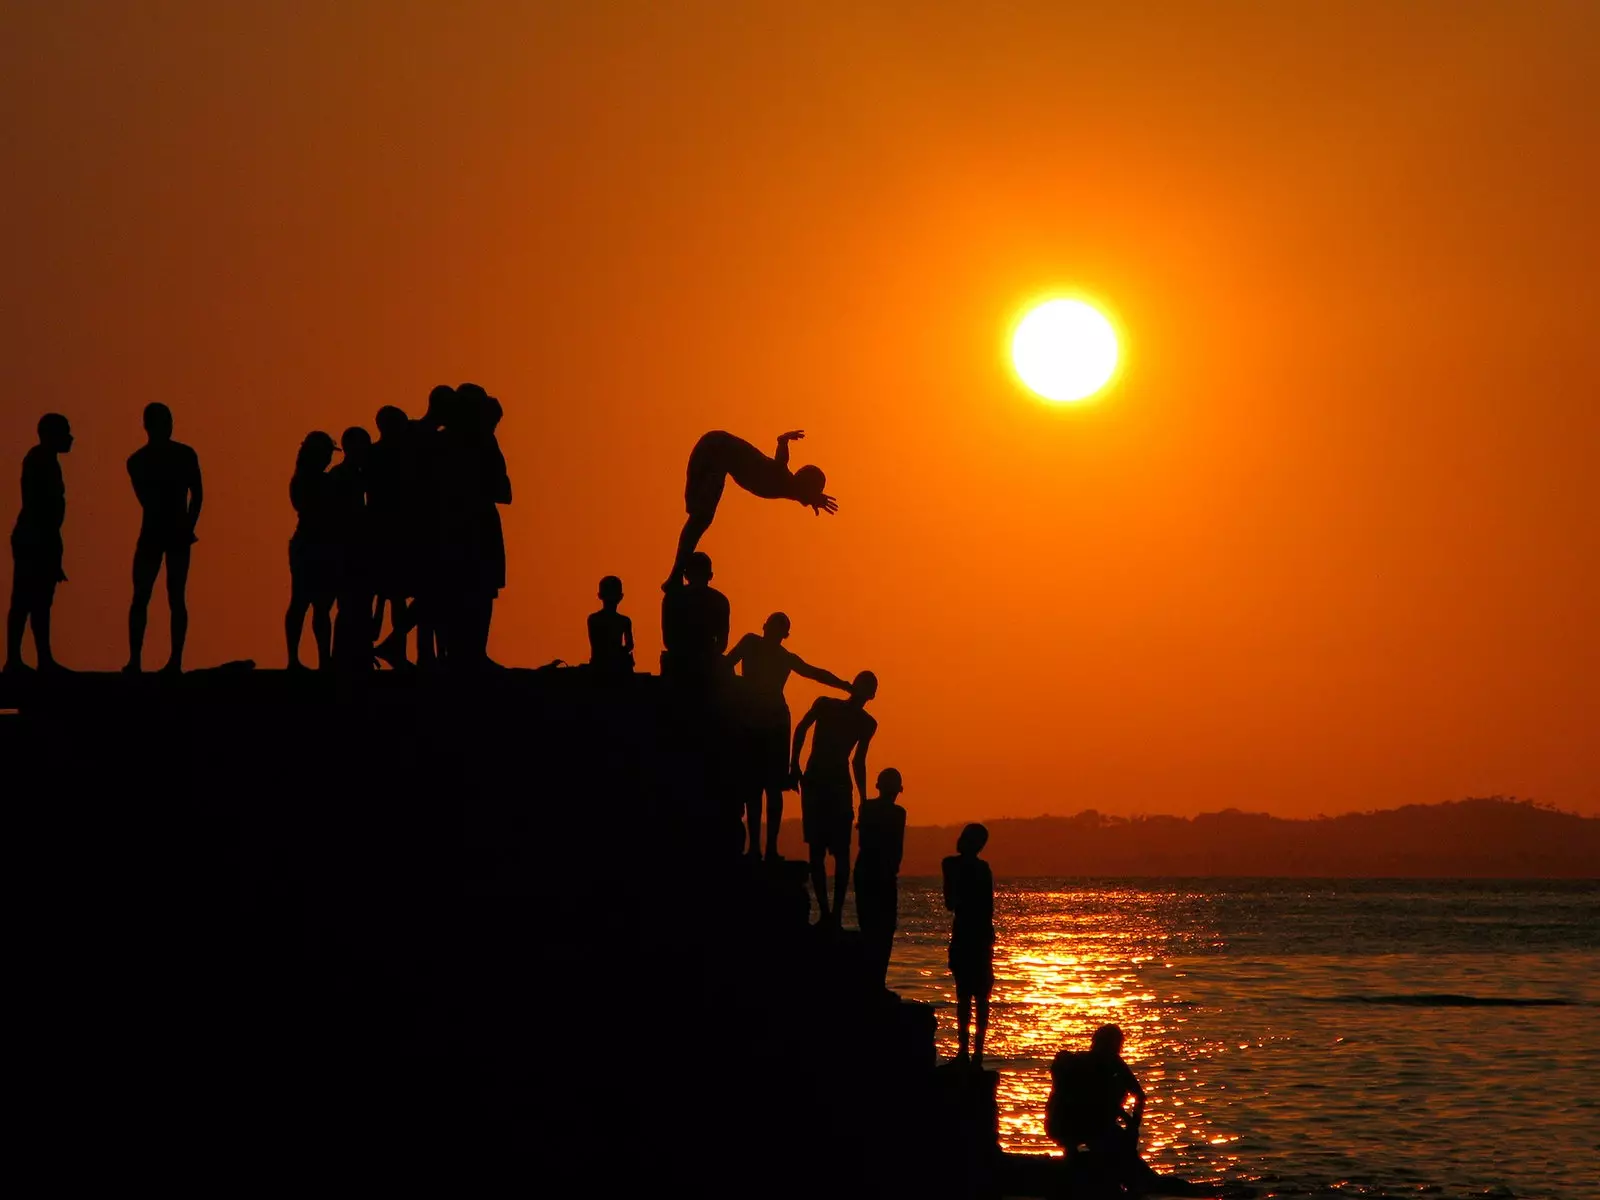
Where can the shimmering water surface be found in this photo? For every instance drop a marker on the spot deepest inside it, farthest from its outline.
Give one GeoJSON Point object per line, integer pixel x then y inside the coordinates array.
{"type": "Point", "coordinates": [1349, 1038]}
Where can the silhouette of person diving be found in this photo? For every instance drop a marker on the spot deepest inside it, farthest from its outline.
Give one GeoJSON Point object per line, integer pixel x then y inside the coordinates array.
{"type": "Point", "coordinates": [610, 632]}
{"type": "Point", "coordinates": [719, 456]}
{"type": "Point", "coordinates": [881, 828]}
{"type": "Point", "coordinates": [166, 479]}
{"type": "Point", "coordinates": [838, 752]}
{"type": "Point", "coordinates": [969, 895]}
{"type": "Point", "coordinates": [37, 551]}
{"type": "Point", "coordinates": [765, 665]}
{"type": "Point", "coordinates": [313, 551]}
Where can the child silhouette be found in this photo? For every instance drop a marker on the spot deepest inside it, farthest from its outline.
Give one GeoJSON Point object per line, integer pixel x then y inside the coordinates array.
{"type": "Point", "coordinates": [610, 633]}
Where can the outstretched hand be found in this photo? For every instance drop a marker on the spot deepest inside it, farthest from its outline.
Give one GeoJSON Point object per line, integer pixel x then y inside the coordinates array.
{"type": "Point", "coordinates": [825, 505]}
{"type": "Point", "coordinates": [794, 435]}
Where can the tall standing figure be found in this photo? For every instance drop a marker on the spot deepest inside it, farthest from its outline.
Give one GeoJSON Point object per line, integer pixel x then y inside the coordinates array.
{"type": "Point", "coordinates": [36, 547]}
{"type": "Point", "coordinates": [882, 828]}
{"type": "Point", "coordinates": [719, 456]}
{"type": "Point", "coordinates": [969, 895]}
{"type": "Point", "coordinates": [313, 551]}
{"type": "Point", "coordinates": [839, 750]}
{"type": "Point", "coordinates": [166, 479]}
{"type": "Point", "coordinates": [353, 624]}
{"type": "Point", "coordinates": [766, 665]}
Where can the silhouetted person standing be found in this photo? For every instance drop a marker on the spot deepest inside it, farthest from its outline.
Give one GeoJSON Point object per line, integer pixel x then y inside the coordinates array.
{"type": "Point", "coordinates": [430, 531]}
{"type": "Point", "coordinates": [166, 479]}
{"type": "Point", "coordinates": [36, 546]}
{"type": "Point", "coordinates": [765, 666]}
{"type": "Point", "coordinates": [484, 485]}
{"type": "Point", "coordinates": [313, 551]}
{"type": "Point", "coordinates": [347, 488]}
{"type": "Point", "coordinates": [839, 749]}
{"type": "Point", "coordinates": [719, 456]}
{"type": "Point", "coordinates": [392, 511]}
{"type": "Point", "coordinates": [882, 828]}
{"type": "Point", "coordinates": [610, 633]}
{"type": "Point", "coordinates": [969, 895]}
{"type": "Point", "coordinates": [694, 624]}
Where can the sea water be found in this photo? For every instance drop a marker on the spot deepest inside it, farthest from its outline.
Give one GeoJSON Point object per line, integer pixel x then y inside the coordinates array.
{"type": "Point", "coordinates": [1340, 1038]}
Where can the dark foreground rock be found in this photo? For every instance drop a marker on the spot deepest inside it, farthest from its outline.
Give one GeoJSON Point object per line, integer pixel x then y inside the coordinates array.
{"type": "Point", "coordinates": [400, 930]}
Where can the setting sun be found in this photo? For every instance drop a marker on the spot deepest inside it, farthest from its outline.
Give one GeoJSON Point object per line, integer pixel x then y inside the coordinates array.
{"type": "Point", "coordinates": [1064, 350]}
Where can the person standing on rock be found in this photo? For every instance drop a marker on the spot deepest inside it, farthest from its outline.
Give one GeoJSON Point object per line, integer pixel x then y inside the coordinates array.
{"type": "Point", "coordinates": [166, 479]}
{"type": "Point", "coordinates": [881, 827]}
{"type": "Point", "coordinates": [36, 546]}
{"type": "Point", "coordinates": [839, 750]}
{"type": "Point", "coordinates": [969, 895]}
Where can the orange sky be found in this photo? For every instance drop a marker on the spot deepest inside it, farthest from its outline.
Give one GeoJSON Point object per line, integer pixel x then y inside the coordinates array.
{"type": "Point", "coordinates": [1333, 543]}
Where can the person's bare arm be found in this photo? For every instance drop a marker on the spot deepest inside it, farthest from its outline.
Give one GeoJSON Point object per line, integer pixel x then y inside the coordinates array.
{"type": "Point", "coordinates": [740, 650]}
{"type": "Point", "coordinates": [627, 634]}
{"type": "Point", "coordinates": [804, 669]}
{"type": "Point", "coordinates": [782, 454]}
{"type": "Point", "coordinates": [859, 763]}
{"type": "Point", "coordinates": [197, 495]}
{"type": "Point", "coordinates": [806, 722]}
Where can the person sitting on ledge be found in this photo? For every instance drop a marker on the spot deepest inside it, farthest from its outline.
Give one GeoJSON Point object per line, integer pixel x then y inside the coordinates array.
{"type": "Point", "coordinates": [694, 624]}
{"type": "Point", "coordinates": [1088, 1110]}
{"type": "Point", "coordinates": [718, 456]}
{"type": "Point", "coordinates": [36, 549]}
{"type": "Point", "coordinates": [844, 732]}
{"type": "Point", "coordinates": [969, 895]}
{"type": "Point", "coordinates": [610, 633]}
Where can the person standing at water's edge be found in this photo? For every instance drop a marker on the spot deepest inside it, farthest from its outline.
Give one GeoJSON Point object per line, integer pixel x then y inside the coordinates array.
{"type": "Point", "coordinates": [765, 665]}
{"type": "Point", "coordinates": [166, 479]}
{"type": "Point", "coordinates": [839, 750]}
{"type": "Point", "coordinates": [36, 547]}
{"type": "Point", "coordinates": [969, 895]}
{"type": "Point", "coordinates": [719, 456]}
{"type": "Point", "coordinates": [882, 827]}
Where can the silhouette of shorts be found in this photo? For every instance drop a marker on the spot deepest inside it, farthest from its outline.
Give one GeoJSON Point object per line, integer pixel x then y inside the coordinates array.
{"type": "Point", "coordinates": [707, 475]}
{"type": "Point", "coordinates": [314, 570]}
{"type": "Point", "coordinates": [36, 569]}
{"type": "Point", "coordinates": [826, 815]}
{"type": "Point", "coordinates": [972, 962]}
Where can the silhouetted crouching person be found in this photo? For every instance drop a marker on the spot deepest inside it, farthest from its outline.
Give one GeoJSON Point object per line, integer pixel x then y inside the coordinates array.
{"type": "Point", "coordinates": [765, 665]}
{"type": "Point", "coordinates": [166, 479]}
{"type": "Point", "coordinates": [882, 828]}
{"type": "Point", "coordinates": [610, 633]}
{"type": "Point", "coordinates": [36, 547]}
{"type": "Point", "coordinates": [838, 751]}
{"type": "Point", "coordinates": [719, 456]}
{"type": "Point", "coordinates": [313, 551]}
{"type": "Point", "coordinates": [1087, 1110]}
{"type": "Point", "coordinates": [347, 488]}
{"type": "Point", "coordinates": [694, 625]}
{"type": "Point", "coordinates": [969, 895]}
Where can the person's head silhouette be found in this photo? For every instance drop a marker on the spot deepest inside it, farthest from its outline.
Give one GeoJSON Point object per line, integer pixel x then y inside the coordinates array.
{"type": "Point", "coordinates": [697, 570]}
{"type": "Point", "coordinates": [392, 422]}
{"type": "Point", "coordinates": [355, 442]}
{"type": "Point", "coordinates": [864, 687]}
{"type": "Point", "coordinates": [777, 627]}
{"type": "Point", "coordinates": [809, 484]}
{"type": "Point", "coordinates": [55, 433]}
{"type": "Point", "coordinates": [972, 840]}
{"type": "Point", "coordinates": [611, 591]}
{"type": "Point", "coordinates": [441, 403]}
{"type": "Point", "coordinates": [158, 422]}
{"type": "Point", "coordinates": [1107, 1041]}
{"type": "Point", "coordinates": [889, 783]}
{"type": "Point", "coordinates": [316, 452]}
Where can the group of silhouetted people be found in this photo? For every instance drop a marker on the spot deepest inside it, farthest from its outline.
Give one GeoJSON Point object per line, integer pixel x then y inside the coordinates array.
{"type": "Point", "coordinates": [165, 475]}
{"type": "Point", "coordinates": [408, 524]}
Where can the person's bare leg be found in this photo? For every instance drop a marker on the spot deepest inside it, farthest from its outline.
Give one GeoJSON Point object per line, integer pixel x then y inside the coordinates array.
{"type": "Point", "coordinates": [41, 636]}
{"type": "Point", "coordinates": [145, 569]}
{"type": "Point", "coordinates": [294, 623]}
{"type": "Point", "coordinates": [177, 608]}
{"type": "Point", "coordinates": [322, 631]}
{"type": "Point", "coordinates": [16, 622]}
{"type": "Point", "coordinates": [964, 1020]}
{"type": "Point", "coordinates": [694, 529]}
{"type": "Point", "coordinates": [819, 881]}
{"type": "Point", "coordinates": [983, 1028]}
{"type": "Point", "coordinates": [841, 883]}
{"type": "Point", "coordinates": [774, 818]}
{"type": "Point", "coordinates": [752, 826]}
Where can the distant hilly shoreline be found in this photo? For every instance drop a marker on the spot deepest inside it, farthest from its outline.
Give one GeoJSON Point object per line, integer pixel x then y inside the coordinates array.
{"type": "Point", "coordinates": [1487, 838]}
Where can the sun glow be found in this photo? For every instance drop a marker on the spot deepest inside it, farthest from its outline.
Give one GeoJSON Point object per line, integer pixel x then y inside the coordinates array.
{"type": "Point", "coordinates": [1064, 350]}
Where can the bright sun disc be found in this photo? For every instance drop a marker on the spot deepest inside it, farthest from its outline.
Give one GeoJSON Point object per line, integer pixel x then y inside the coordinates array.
{"type": "Point", "coordinates": [1064, 350]}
